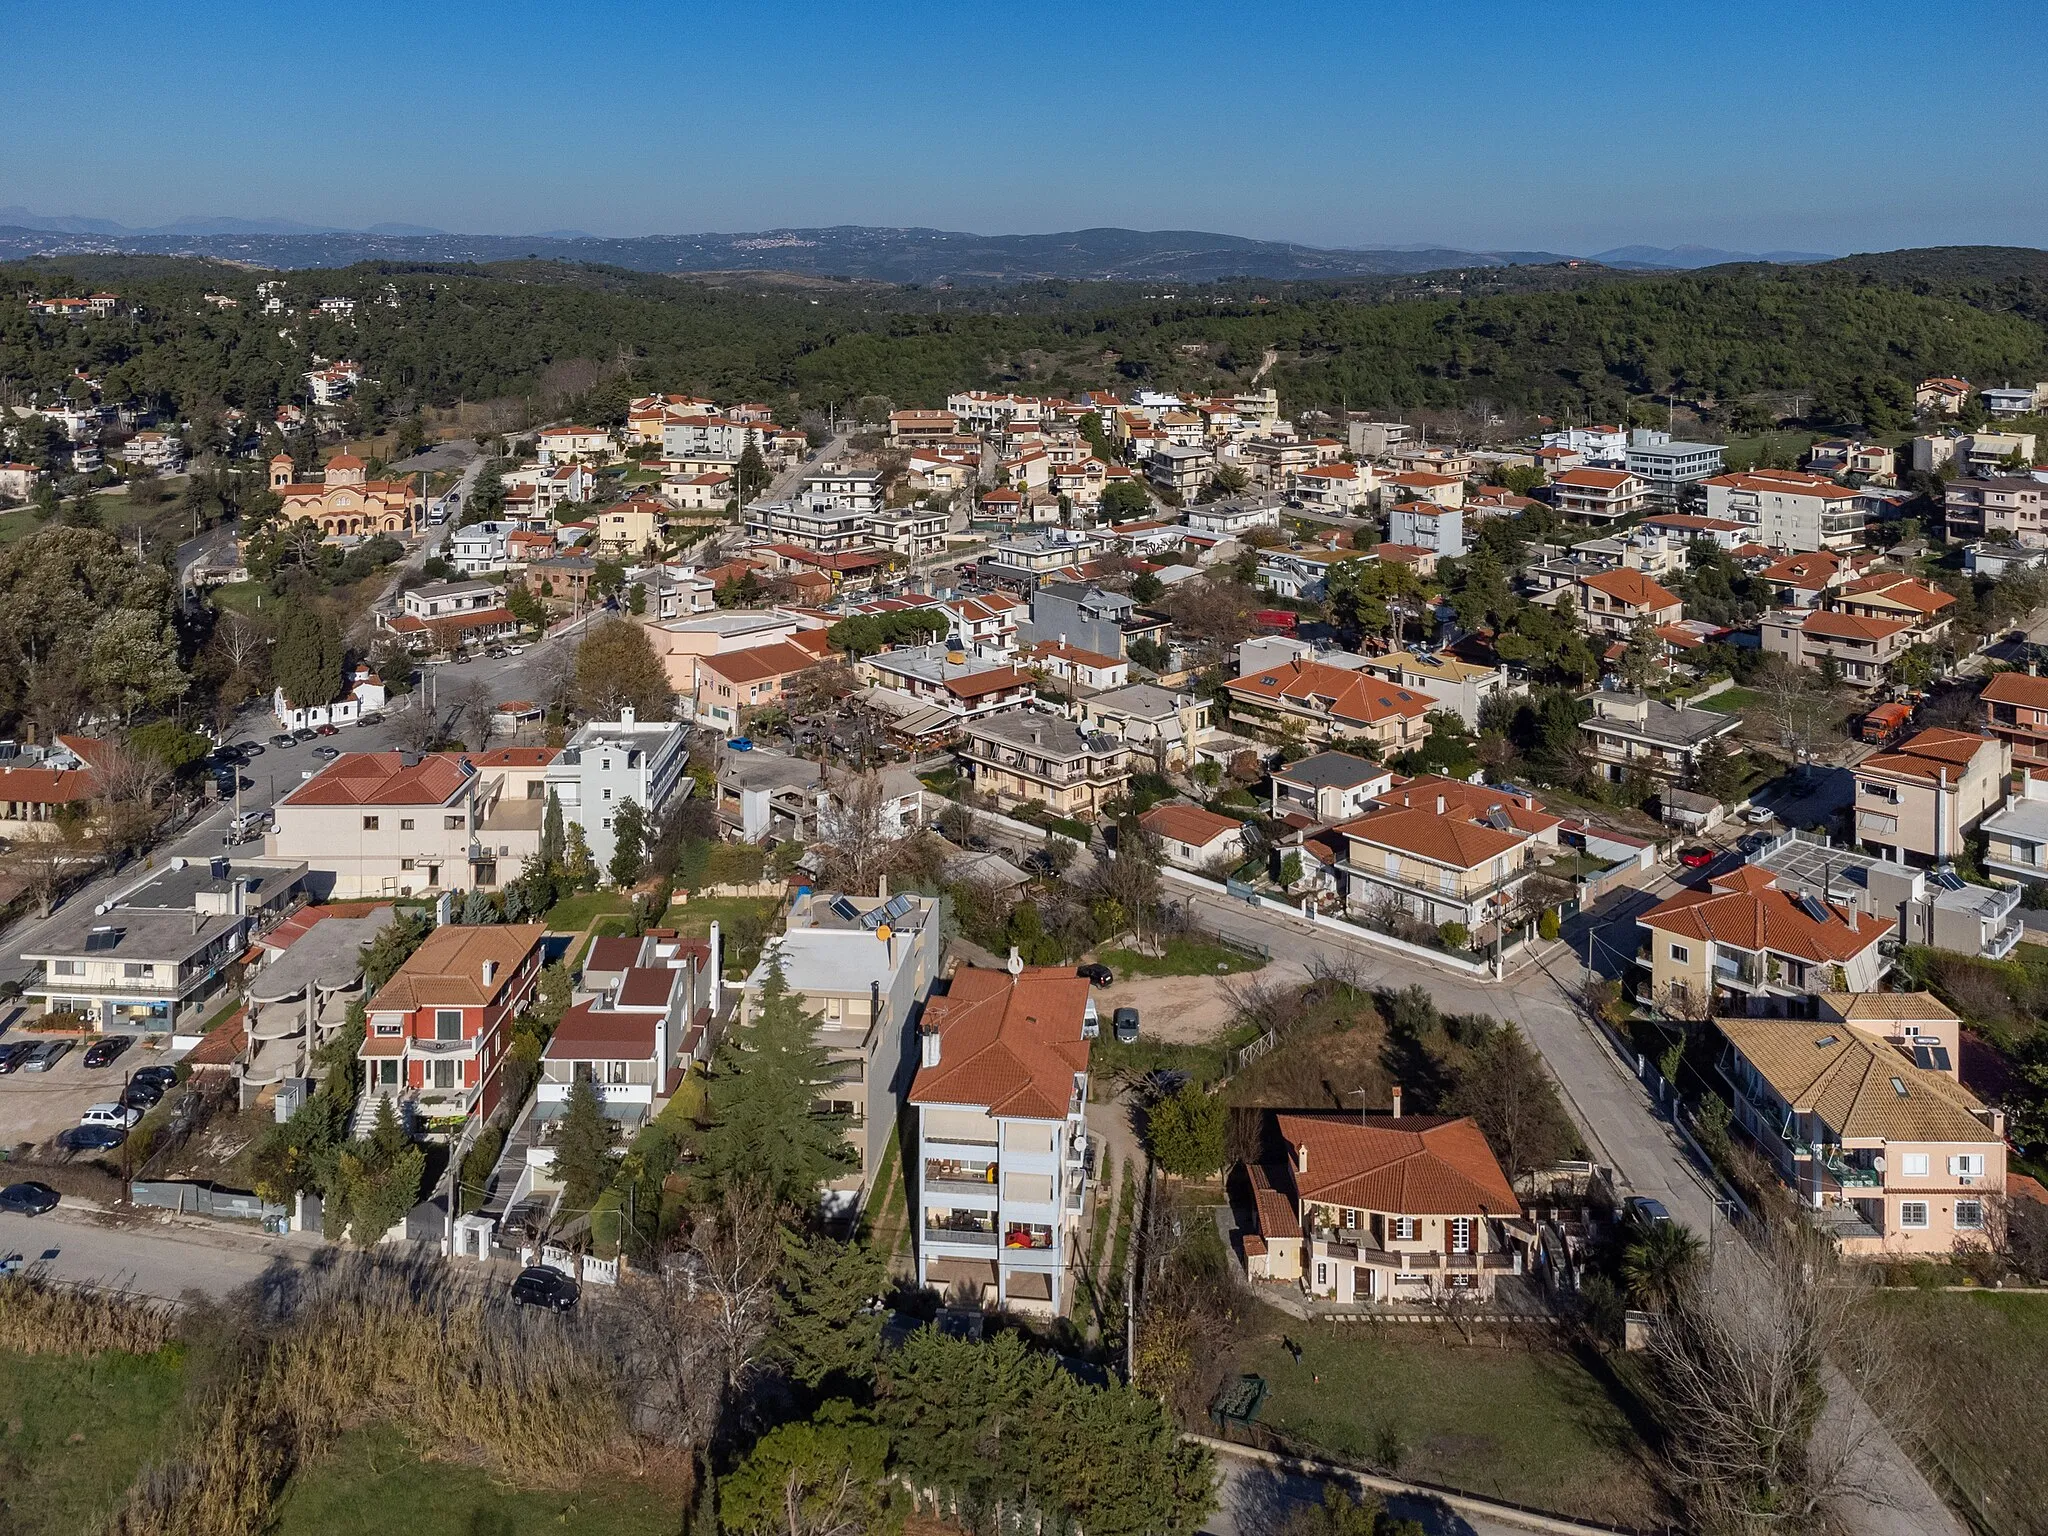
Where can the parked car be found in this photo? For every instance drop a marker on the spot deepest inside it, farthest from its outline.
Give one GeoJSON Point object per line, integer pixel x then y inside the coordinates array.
{"type": "Point", "coordinates": [47, 1055]}
{"type": "Point", "coordinates": [1755, 815]}
{"type": "Point", "coordinates": [1644, 1211]}
{"type": "Point", "coordinates": [1124, 1025]}
{"type": "Point", "coordinates": [304, 734]}
{"type": "Point", "coordinates": [28, 1198]}
{"type": "Point", "coordinates": [14, 1053]}
{"type": "Point", "coordinates": [143, 1096]}
{"type": "Point", "coordinates": [102, 1053]}
{"type": "Point", "coordinates": [539, 1286]}
{"type": "Point", "coordinates": [91, 1138]}
{"type": "Point", "coordinates": [1696, 857]}
{"type": "Point", "coordinates": [282, 739]}
{"type": "Point", "coordinates": [250, 749]}
{"type": "Point", "coordinates": [1098, 975]}
{"type": "Point", "coordinates": [164, 1077]}
{"type": "Point", "coordinates": [373, 717]}
{"type": "Point", "coordinates": [327, 752]}
{"type": "Point", "coordinates": [118, 1115]}
{"type": "Point", "coordinates": [326, 730]}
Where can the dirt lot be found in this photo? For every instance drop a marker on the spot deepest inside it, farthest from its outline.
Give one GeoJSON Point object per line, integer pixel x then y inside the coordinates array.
{"type": "Point", "coordinates": [1181, 1010]}
{"type": "Point", "coordinates": [34, 1106]}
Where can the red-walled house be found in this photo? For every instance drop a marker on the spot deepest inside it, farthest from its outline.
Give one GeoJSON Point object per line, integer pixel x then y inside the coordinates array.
{"type": "Point", "coordinates": [440, 1028]}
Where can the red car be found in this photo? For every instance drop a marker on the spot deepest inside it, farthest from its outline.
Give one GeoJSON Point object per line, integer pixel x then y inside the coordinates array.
{"type": "Point", "coordinates": [325, 730]}
{"type": "Point", "coordinates": [1696, 857]}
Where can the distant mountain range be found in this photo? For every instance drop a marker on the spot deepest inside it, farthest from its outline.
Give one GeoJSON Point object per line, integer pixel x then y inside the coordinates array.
{"type": "Point", "coordinates": [849, 250]}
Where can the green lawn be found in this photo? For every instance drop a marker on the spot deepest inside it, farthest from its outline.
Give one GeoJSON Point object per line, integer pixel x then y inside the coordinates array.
{"type": "Point", "coordinates": [1732, 701]}
{"type": "Point", "coordinates": [1204, 1062]}
{"type": "Point", "coordinates": [739, 918]}
{"type": "Point", "coordinates": [1183, 957]}
{"type": "Point", "coordinates": [1527, 1422]}
{"type": "Point", "coordinates": [573, 914]}
{"type": "Point", "coordinates": [75, 1430]}
{"type": "Point", "coordinates": [1975, 1361]}
{"type": "Point", "coordinates": [372, 1483]}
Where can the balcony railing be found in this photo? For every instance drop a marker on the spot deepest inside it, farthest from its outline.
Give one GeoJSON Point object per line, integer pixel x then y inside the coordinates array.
{"type": "Point", "coordinates": [972, 1237]}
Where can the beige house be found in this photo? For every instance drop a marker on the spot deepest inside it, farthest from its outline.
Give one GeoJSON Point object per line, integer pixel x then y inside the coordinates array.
{"type": "Point", "coordinates": [1895, 595]}
{"type": "Point", "coordinates": [1632, 730]}
{"type": "Point", "coordinates": [1330, 704]}
{"type": "Point", "coordinates": [375, 824]}
{"type": "Point", "coordinates": [1919, 802]}
{"type": "Point", "coordinates": [627, 527]}
{"type": "Point", "coordinates": [1742, 944]}
{"type": "Point", "coordinates": [1862, 649]}
{"type": "Point", "coordinates": [1614, 602]}
{"type": "Point", "coordinates": [1153, 722]}
{"type": "Point", "coordinates": [1378, 1208]}
{"type": "Point", "coordinates": [1445, 851]}
{"type": "Point", "coordinates": [1861, 1111]}
{"type": "Point", "coordinates": [1462, 687]}
{"type": "Point", "coordinates": [1191, 837]}
{"type": "Point", "coordinates": [1023, 756]}
{"type": "Point", "coordinates": [1597, 495]}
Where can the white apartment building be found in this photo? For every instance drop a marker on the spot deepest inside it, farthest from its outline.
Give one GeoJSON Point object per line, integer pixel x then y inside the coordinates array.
{"type": "Point", "coordinates": [1789, 509]}
{"type": "Point", "coordinates": [1425, 525]}
{"type": "Point", "coordinates": [608, 762]}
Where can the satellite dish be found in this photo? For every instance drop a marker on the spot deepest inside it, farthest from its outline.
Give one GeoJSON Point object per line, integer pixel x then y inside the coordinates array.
{"type": "Point", "coordinates": [884, 932]}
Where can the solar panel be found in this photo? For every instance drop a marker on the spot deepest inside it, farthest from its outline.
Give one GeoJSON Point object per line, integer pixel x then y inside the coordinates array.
{"type": "Point", "coordinates": [1923, 1057]}
{"type": "Point", "coordinates": [888, 912]}
{"type": "Point", "coordinates": [1940, 1056]}
{"type": "Point", "coordinates": [844, 910]}
{"type": "Point", "coordinates": [1948, 880]}
{"type": "Point", "coordinates": [1810, 905]}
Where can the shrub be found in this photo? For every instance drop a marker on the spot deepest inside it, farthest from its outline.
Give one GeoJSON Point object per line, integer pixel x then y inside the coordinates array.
{"type": "Point", "coordinates": [1547, 926]}
{"type": "Point", "coordinates": [1454, 935]}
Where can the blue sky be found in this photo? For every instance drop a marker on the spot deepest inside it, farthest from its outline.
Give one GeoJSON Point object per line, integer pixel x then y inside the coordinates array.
{"type": "Point", "coordinates": [1793, 125]}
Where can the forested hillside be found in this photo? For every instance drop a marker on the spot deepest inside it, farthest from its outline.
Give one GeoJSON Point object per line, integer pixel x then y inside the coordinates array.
{"type": "Point", "coordinates": [1850, 335]}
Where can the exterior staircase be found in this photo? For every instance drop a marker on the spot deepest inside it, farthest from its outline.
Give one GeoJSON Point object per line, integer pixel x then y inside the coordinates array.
{"type": "Point", "coordinates": [365, 1118]}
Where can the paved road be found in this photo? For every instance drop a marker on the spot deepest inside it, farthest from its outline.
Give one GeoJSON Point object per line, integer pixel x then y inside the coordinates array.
{"type": "Point", "coordinates": [1617, 1116]}
{"type": "Point", "coordinates": [154, 1257]}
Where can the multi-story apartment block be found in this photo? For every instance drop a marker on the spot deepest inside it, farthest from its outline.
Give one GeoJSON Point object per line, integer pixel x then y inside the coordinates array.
{"type": "Point", "coordinates": [1024, 756]}
{"type": "Point", "coordinates": [1462, 687]}
{"type": "Point", "coordinates": [1336, 490]}
{"type": "Point", "coordinates": [1158, 726]}
{"type": "Point", "coordinates": [153, 959]}
{"type": "Point", "coordinates": [1863, 650]}
{"type": "Point", "coordinates": [863, 965]}
{"type": "Point", "coordinates": [374, 824]}
{"type": "Point", "coordinates": [607, 763]}
{"type": "Point", "coordinates": [948, 680]}
{"type": "Point", "coordinates": [1790, 509]}
{"type": "Point", "coordinates": [1597, 495]}
{"type": "Point", "coordinates": [1932, 907]}
{"type": "Point", "coordinates": [1614, 602]}
{"type": "Point", "coordinates": [1631, 731]}
{"type": "Point", "coordinates": [2014, 708]}
{"type": "Point", "coordinates": [1742, 944]}
{"type": "Point", "coordinates": [1861, 1112]}
{"type": "Point", "coordinates": [441, 1027]}
{"type": "Point", "coordinates": [1090, 617]}
{"type": "Point", "coordinates": [1666, 465]}
{"type": "Point", "coordinates": [814, 522]}
{"type": "Point", "coordinates": [1895, 595]}
{"type": "Point", "coordinates": [839, 486]}
{"type": "Point", "coordinates": [1918, 802]}
{"type": "Point", "coordinates": [1180, 471]}
{"type": "Point", "coordinates": [1425, 525]}
{"type": "Point", "coordinates": [1379, 1208]}
{"type": "Point", "coordinates": [2011, 504]}
{"type": "Point", "coordinates": [1000, 1180]}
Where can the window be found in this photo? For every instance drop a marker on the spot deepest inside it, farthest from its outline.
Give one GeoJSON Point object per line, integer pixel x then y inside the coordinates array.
{"type": "Point", "coordinates": [137, 970]}
{"type": "Point", "coordinates": [1969, 1215]}
{"type": "Point", "coordinates": [451, 823]}
{"type": "Point", "coordinates": [1461, 1234]}
{"type": "Point", "coordinates": [1404, 1229]}
{"type": "Point", "coordinates": [67, 967]}
{"type": "Point", "coordinates": [615, 1072]}
{"type": "Point", "coordinates": [1681, 954]}
{"type": "Point", "coordinates": [447, 1023]}
{"type": "Point", "coordinates": [369, 823]}
{"type": "Point", "coordinates": [1912, 1213]}
{"type": "Point", "coordinates": [444, 1074]}
{"type": "Point", "coordinates": [1914, 1165]}
{"type": "Point", "coordinates": [405, 863]}
{"type": "Point", "coordinates": [405, 824]}
{"type": "Point", "coordinates": [1970, 1165]}
{"type": "Point", "coordinates": [607, 791]}
{"type": "Point", "coordinates": [1322, 1275]}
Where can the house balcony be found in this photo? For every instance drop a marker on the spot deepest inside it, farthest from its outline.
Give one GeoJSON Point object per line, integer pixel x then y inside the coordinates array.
{"type": "Point", "coordinates": [443, 1049]}
{"type": "Point", "coordinates": [957, 1232]}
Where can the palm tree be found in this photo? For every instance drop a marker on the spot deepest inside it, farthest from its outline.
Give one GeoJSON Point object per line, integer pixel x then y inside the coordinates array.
{"type": "Point", "coordinates": [1658, 1261]}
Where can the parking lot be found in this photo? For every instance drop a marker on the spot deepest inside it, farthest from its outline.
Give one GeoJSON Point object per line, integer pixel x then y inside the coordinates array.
{"type": "Point", "coordinates": [34, 1106]}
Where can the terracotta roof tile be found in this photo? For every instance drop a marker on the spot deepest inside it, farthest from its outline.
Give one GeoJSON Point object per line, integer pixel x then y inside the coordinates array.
{"type": "Point", "coordinates": [1416, 1165]}
{"type": "Point", "coordinates": [1010, 1046]}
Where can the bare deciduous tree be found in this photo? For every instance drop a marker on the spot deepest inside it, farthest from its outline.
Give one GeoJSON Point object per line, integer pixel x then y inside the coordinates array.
{"type": "Point", "coordinates": [472, 709]}
{"type": "Point", "coordinates": [1754, 1362]}
{"type": "Point", "coordinates": [860, 843]}
{"type": "Point", "coordinates": [418, 728]}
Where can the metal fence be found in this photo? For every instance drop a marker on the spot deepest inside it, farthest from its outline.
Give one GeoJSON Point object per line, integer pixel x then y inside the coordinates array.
{"type": "Point", "coordinates": [195, 1199]}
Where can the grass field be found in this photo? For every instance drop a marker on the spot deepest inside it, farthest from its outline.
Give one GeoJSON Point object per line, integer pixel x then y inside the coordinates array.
{"type": "Point", "coordinates": [737, 917]}
{"type": "Point", "coordinates": [1975, 1362]}
{"type": "Point", "coordinates": [573, 914]}
{"type": "Point", "coordinates": [74, 1431]}
{"type": "Point", "coordinates": [1529, 1422]}
{"type": "Point", "coordinates": [1182, 957]}
{"type": "Point", "coordinates": [1731, 701]}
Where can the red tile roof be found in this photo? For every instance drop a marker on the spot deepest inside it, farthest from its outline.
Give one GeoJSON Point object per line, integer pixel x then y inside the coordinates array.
{"type": "Point", "coordinates": [1009, 1045]}
{"type": "Point", "coordinates": [1745, 908]}
{"type": "Point", "coordinates": [448, 968]}
{"type": "Point", "coordinates": [1189, 824]}
{"type": "Point", "coordinates": [2021, 688]}
{"type": "Point", "coordinates": [1351, 696]}
{"type": "Point", "coordinates": [600, 1034]}
{"type": "Point", "coordinates": [1416, 1165]}
{"type": "Point", "coordinates": [1631, 587]}
{"type": "Point", "coordinates": [383, 778]}
{"type": "Point", "coordinates": [647, 986]}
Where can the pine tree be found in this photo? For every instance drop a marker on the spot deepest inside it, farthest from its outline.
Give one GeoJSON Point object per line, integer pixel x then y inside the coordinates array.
{"type": "Point", "coordinates": [763, 1124]}
{"type": "Point", "coordinates": [629, 832]}
{"type": "Point", "coordinates": [551, 837]}
{"type": "Point", "coordinates": [579, 868]}
{"type": "Point", "coordinates": [827, 1324]}
{"type": "Point", "coordinates": [583, 1149]}
{"type": "Point", "coordinates": [1186, 1131]}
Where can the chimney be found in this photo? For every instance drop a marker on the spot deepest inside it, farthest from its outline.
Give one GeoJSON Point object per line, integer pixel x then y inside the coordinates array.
{"type": "Point", "coordinates": [717, 967]}
{"type": "Point", "coordinates": [1851, 909]}
{"type": "Point", "coordinates": [1395, 1094]}
{"type": "Point", "coordinates": [626, 715]}
{"type": "Point", "coordinates": [490, 970]}
{"type": "Point", "coordinates": [1301, 1158]}
{"type": "Point", "coordinates": [1016, 965]}
{"type": "Point", "coordinates": [928, 1047]}
{"type": "Point", "coordinates": [1439, 805]}
{"type": "Point", "coordinates": [882, 887]}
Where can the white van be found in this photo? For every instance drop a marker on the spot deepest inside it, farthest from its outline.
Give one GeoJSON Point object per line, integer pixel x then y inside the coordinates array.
{"type": "Point", "coordinates": [119, 1116]}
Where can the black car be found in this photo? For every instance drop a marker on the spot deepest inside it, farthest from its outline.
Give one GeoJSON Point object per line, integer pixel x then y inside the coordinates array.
{"type": "Point", "coordinates": [305, 733]}
{"type": "Point", "coordinates": [104, 1052]}
{"type": "Point", "coordinates": [1124, 1025]}
{"type": "Point", "coordinates": [164, 1078]}
{"type": "Point", "coordinates": [539, 1286]}
{"type": "Point", "coordinates": [142, 1095]}
{"type": "Point", "coordinates": [1098, 975]}
{"type": "Point", "coordinates": [28, 1198]}
{"type": "Point", "coordinates": [1644, 1211]}
{"type": "Point", "coordinates": [91, 1138]}
{"type": "Point", "coordinates": [14, 1053]}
